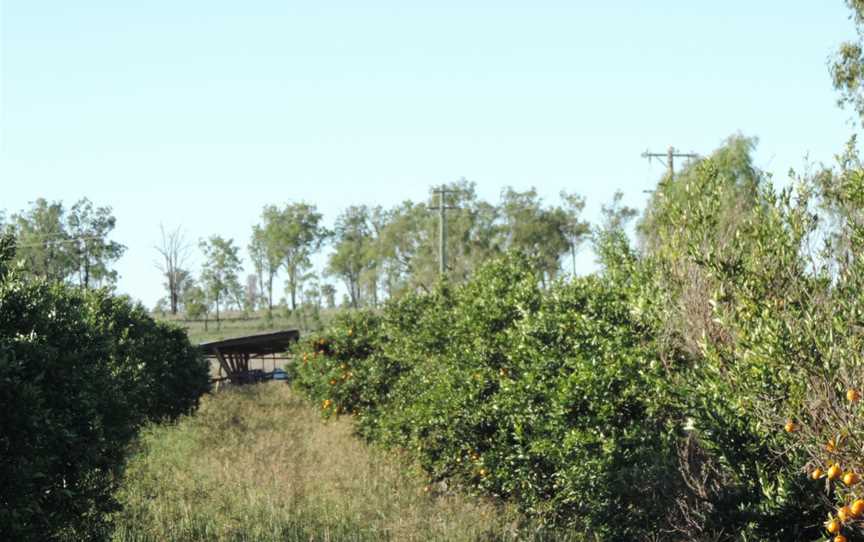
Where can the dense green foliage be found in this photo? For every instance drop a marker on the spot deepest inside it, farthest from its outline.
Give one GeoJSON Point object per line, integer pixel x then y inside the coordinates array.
{"type": "Point", "coordinates": [80, 372]}
{"type": "Point", "coordinates": [548, 398]}
{"type": "Point", "coordinates": [647, 399]}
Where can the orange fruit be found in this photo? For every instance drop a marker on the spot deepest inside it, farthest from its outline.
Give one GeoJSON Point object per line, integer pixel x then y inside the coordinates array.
{"type": "Point", "coordinates": [839, 538]}
{"type": "Point", "coordinates": [834, 472]}
{"type": "Point", "coordinates": [816, 474]}
{"type": "Point", "coordinates": [833, 526]}
{"type": "Point", "coordinates": [853, 395]}
{"type": "Point", "coordinates": [790, 426]}
{"type": "Point", "coordinates": [857, 508]}
{"type": "Point", "coordinates": [851, 478]}
{"type": "Point", "coordinates": [844, 513]}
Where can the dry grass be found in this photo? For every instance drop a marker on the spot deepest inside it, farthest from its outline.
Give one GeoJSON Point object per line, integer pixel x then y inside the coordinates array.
{"type": "Point", "coordinates": [258, 463]}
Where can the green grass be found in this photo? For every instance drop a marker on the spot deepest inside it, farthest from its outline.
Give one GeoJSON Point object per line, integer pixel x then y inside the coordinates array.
{"type": "Point", "coordinates": [235, 324]}
{"type": "Point", "coordinates": [258, 463]}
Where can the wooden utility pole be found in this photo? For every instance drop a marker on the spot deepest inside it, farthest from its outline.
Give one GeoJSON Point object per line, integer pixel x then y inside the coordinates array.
{"type": "Point", "coordinates": [671, 154]}
{"type": "Point", "coordinates": [442, 208]}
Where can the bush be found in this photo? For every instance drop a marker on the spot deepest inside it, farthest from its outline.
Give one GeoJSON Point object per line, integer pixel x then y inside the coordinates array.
{"type": "Point", "coordinates": [648, 399]}
{"type": "Point", "coordinates": [546, 398]}
{"type": "Point", "coordinates": [79, 373]}
{"type": "Point", "coordinates": [744, 312]}
{"type": "Point", "coordinates": [162, 375]}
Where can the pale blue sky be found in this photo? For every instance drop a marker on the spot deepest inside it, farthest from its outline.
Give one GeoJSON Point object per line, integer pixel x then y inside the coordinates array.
{"type": "Point", "coordinates": [197, 113]}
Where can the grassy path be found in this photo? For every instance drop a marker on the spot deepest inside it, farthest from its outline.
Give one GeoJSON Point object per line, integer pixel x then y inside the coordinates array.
{"type": "Point", "coordinates": [259, 464]}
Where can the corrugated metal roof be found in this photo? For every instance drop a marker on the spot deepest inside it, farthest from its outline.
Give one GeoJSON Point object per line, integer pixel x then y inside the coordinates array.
{"type": "Point", "coordinates": [271, 342]}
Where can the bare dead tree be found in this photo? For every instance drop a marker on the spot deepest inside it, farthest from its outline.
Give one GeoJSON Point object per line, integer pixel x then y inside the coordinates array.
{"type": "Point", "coordinates": [173, 251]}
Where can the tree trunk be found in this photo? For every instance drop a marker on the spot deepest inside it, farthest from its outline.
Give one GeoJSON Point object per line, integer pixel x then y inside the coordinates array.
{"type": "Point", "coordinates": [292, 285]}
{"type": "Point", "coordinates": [86, 274]}
{"type": "Point", "coordinates": [260, 290]}
{"type": "Point", "coordinates": [172, 289]}
{"type": "Point", "coordinates": [375, 291]}
{"type": "Point", "coordinates": [270, 295]}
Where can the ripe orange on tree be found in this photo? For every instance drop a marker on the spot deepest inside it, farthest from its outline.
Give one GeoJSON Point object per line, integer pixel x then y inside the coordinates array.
{"type": "Point", "coordinates": [851, 478]}
{"type": "Point", "coordinates": [816, 474]}
{"type": "Point", "coordinates": [833, 526]}
{"type": "Point", "coordinates": [834, 472]}
{"type": "Point", "coordinates": [839, 538]}
{"type": "Point", "coordinates": [844, 513]}
{"type": "Point", "coordinates": [790, 426]}
{"type": "Point", "coordinates": [857, 507]}
{"type": "Point", "coordinates": [853, 395]}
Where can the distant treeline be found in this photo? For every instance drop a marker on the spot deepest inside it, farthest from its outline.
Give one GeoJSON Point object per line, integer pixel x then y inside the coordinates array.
{"type": "Point", "coordinates": [376, 253]}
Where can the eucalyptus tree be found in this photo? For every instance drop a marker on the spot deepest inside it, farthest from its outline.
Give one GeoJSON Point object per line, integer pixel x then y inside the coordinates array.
{"type": "Point", "coordinates": [374, 276]}
{"type": "Point", "coordinates": [576, 230]}
{"type": "Point", "coordinates": [847, 66]}
{"type": "Point", "coordinates": [407, 247]}
{"type": "Point", "coordinates": [43, 241]}
{"type": "Point", "coordinates": [173, 250]}
{"type": "Point", "coordinates": [538, 231]}
{"type": "Point", "coordinates": [409, 239]}
{"type": "Point", "coordinates": [847, 71]}
{"type": "Point", "coordinates": [67, 246]}
{"type": "Point", "coordinates": [328, 292]}
{"type": "Point", "coordinates": [351, 254]}
{"type": "Point", "coordinates": [196, 304]}
{"type": "Point", "coordinates": [266, 255]}
{"type": "Point", "coordinates": [293, 233]}
{"type": "Point", "coordinates": [221, 271]}
{"type": "Point", "coordinates": [473, 230]}
{"type": "Point", "coordinates": [91, 252]}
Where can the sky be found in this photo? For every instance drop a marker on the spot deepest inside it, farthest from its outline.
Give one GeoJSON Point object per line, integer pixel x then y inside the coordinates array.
{"type": "Point", "coordinates": [196, 114]}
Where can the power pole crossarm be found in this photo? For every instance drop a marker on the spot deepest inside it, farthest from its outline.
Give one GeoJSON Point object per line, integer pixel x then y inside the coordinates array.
{"type": "Point", "coordinates": [671, 154]}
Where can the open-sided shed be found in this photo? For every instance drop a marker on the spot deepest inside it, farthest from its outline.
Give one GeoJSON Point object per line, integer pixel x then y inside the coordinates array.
{"type": "Point", "coordinates": [234, 354]}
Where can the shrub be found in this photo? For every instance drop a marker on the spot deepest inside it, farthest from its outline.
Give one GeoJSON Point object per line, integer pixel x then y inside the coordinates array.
{"type": "Point", "coordinates": [79, 374]}
{"type": "Point", "coordinates": [643, 400]}
{"type": "Point", "coordinates": [546, 398]}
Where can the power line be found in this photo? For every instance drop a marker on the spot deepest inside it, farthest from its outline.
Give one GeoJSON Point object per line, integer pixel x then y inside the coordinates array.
{"type": "Point", "coordinates": [75, 240]}
{"type": "Point", "coordinates": [59, 234]}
